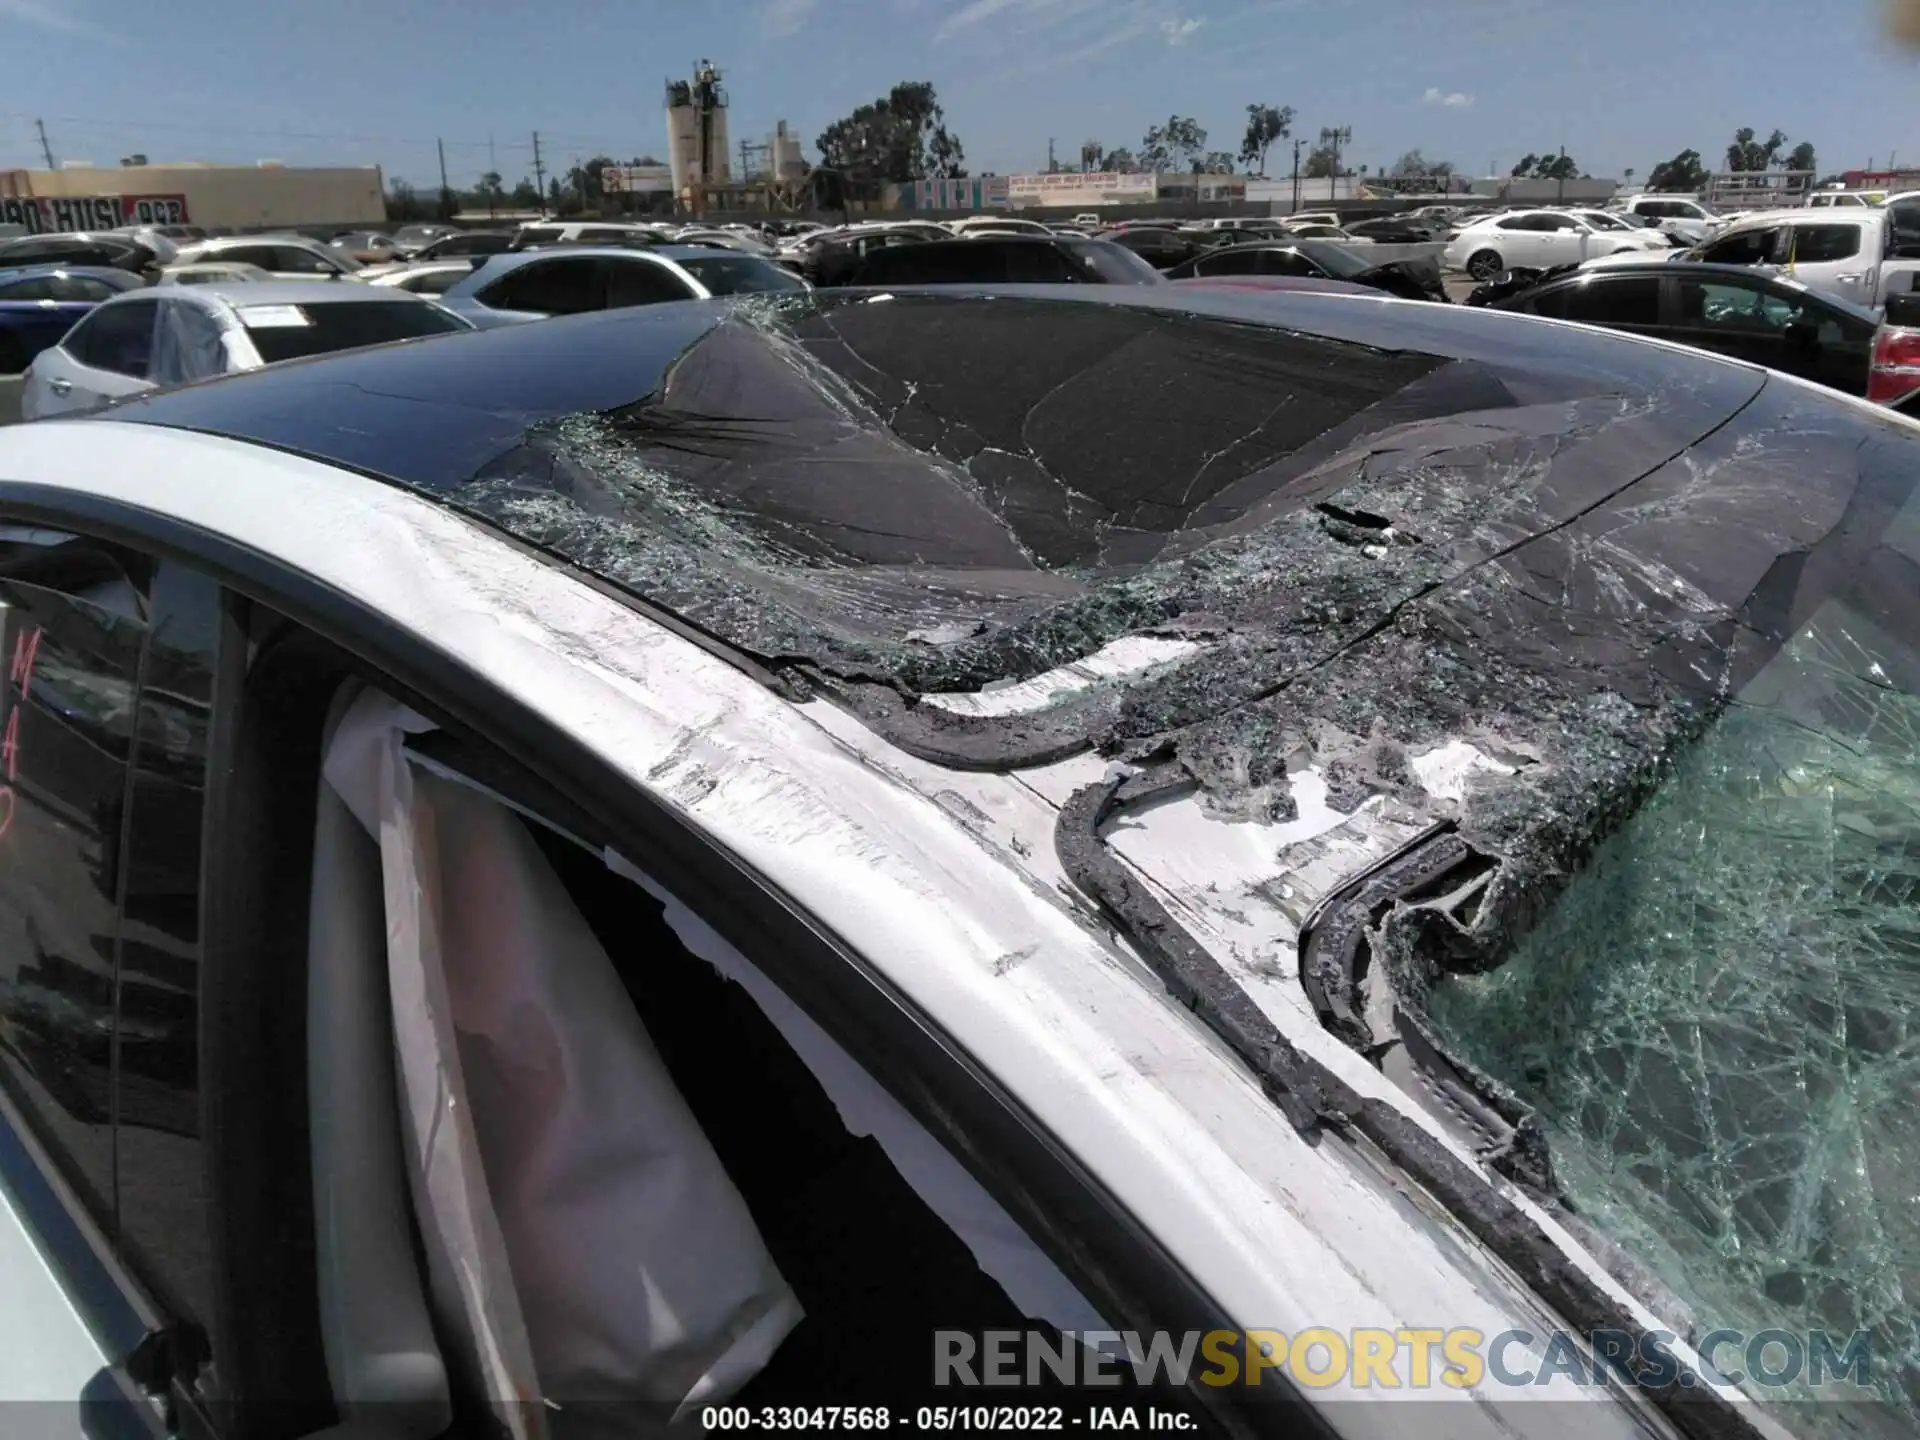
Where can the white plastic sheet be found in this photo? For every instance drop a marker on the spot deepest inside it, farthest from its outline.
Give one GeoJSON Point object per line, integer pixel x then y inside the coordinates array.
{"type": "Point", "coordinates": [584, 1241]}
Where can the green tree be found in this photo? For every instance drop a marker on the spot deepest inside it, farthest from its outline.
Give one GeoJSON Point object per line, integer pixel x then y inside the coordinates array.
{"type": "Point", "coordinates": [900, 137]}
{"type": "Point", "coordinates": [1682, 174]}
{"type": "Point", "coordinates": [1319, 164]}
{"type": "Point", "coordinates": [1174, 145]}
{"type": "Point", "coordinates": [1217, 162]}
{"type": "Point", "coordinates": [1118, 162]}
{"type": "Point", "coordinates": [524, 196]}
{"type": "Point", "coordinates": [1747, 153]}
{"type": "Point", "coordinates": [1802, 157]}
{"type": "Point", "coordinates": [404, 203]}
{"type": "Point", "coordinates": [1265, 125]}
{"type": "Point", "coordinates": [1549, 166]}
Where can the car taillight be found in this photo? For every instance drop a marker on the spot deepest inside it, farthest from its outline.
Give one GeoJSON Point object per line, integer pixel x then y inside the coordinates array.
{"type": "Point", "coordinates": [1896, 365]}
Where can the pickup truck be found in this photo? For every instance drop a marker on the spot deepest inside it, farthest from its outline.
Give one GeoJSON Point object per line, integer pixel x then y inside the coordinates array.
{"type": "Point", "coordinates": [1856, 253]}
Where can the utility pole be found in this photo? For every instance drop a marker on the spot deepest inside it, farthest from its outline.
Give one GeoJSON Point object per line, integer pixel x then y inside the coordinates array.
{"type": "Point", "coordinates": [446, 190]}
{"type": "Point", "coordinates": [1333, 139]}
{"type": "Point", "coordinates": [540, 174]}
{"type": "Point", "coordinates": [1052, 164]}
{"type": "Point", "coordinates": [1296, 172]}
{"type": "Point", "coordinates": [45, 148]}
{"type": "Point", "coordinates": [1560, 176]}
{"type": "Point", "coordinates": [493, 168]}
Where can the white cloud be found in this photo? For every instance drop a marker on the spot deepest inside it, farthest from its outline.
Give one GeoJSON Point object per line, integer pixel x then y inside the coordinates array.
{"type": "Point", "coordinates": [777, 17]}
{"type": "Point", "coordinates": [971, 14]}
{"type": "Point", "coordinates": [1178, 32]}
{"type": "Point", "coordinates": [1452, 99]}
{"type": "Point", "coordinates": [48, 17]}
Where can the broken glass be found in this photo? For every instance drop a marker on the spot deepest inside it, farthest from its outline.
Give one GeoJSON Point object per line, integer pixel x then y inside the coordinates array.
{"type": "Point", "coordinates": [1719, 1023]}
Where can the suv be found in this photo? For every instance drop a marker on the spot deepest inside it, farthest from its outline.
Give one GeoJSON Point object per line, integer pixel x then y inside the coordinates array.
{"type": "Point", "coordinates": [1678, 216]}
{"type": "Point", "coordinates": [538, 233]}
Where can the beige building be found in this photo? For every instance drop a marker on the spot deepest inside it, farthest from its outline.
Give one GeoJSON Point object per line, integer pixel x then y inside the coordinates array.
{"type": "Point", "coordinates": [220, 197]}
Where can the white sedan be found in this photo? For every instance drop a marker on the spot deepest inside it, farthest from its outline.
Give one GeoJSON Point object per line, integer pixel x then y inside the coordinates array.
{"type": "Point", "coordinates": [171, 335]}
{"type": "Point", "coordinates": [1539, 239]}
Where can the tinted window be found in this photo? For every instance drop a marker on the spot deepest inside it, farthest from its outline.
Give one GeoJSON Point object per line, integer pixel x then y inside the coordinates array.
{"type": "Point", "coordinates": [292, 259]}
{"type": "Point", "coordinates": [433, 282]}
{"type": "Point", "coordinates": [80, 288]}
{"type": "Point", "coordinates": [739, 274]}
{"type": "Point", "coordinates": [638, 282]}
{"type": "Point", "coordinates": [548, 287]}
{"type": "Point", "coordinates": [1811, 243]}
{"type": "Point", "coordinates": [162, 1203]}
{"type": "Point", "coordinates": [116, 337]}
{"type": "Point", "coordinates": [1729, 305]}
{"type": "Point", "coordinates": [1236, 260]}
{"type": "Point", "coordinates": [943, 263]}
{"type": "Point", "coordinates": [1903, 227]}
{"type": "Point", "coordinates": [603, 235]}
{"type": "Point", "coordinates": [72, 651]}
{"type": "Point", "coordinates": [538, 235]}
{"type": "Point", "coordinates": [472, 245]}
{"type": "Point", "coordinates": [1630, 300]}
{"type": "Point", "coordinates": [1037, 265]}
{"type": "Point", "coordinates": [261, 255]}
{"type": "Point", "coordinates": [347, 325]}
{"type": "Point", "coordinates": [1749, 247]}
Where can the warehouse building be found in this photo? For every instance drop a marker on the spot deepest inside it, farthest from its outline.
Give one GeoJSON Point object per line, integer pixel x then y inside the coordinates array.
{"type": "Point", "coordinates": [220, 197]}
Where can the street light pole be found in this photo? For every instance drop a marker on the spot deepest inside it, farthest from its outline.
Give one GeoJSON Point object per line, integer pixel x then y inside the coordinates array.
{"type": "Point", "coordinates": [1296, 172]}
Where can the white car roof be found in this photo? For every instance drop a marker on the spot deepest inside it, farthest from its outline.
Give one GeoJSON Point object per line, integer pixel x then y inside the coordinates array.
{"type": "Point", "coordinates": [304, 293]}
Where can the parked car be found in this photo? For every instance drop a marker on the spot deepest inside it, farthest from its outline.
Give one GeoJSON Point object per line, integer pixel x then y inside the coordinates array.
{"type": "Point", "coordinates": [412, 239]}
{"type": "Point", "coordinates": [540, 234]}
{"type": "Point", "coordinates": [1317, 260]}
{"type": "Point", "coordinates": [536, 284]}
{"type": "Point", "coordinates": [1018, 259]}
{"type": "Point", "coordinates": [285, 257]}
{"type": "Point", "coordinates": [1297, 284]}
{"type": "Point", "coordinates": [1686, 220]}
{"type": "Point", "coordinates": [429, 277]}
{"type": "Point", "coordinates": [171, 335]}
{"type": "Point", "coordinates": [87, 251]}
{"type": "Point", "coordinates": [1860, 254]}
{"type": "Point", "coordinates": [1310, 217]}
{"type": "Point", "coordinates": [208, 272]}
{"type": "Point", "coordinates": [1160, 247]}
{"type": "Point", "coordinates": [1397, 230]}
{"type": "Point", "coordinates": [368, 247]}
{"type": "Point", "coordinates": [466, 243]}
{"type": "Point", "coordinates": [832, 257]}
{"type": "Point", "coordinates": [37, 307]}
{"type": "Point", "coordinates": [1747, 315]}
{"type": "Point", "coordinates": [1001, 818]}
{"type": "Point", "coordinates": [1537, 239]}
{"type": "Point", "coordinates": [997, 222]}
{"type": "Point", "coordinates": [1845, 199]}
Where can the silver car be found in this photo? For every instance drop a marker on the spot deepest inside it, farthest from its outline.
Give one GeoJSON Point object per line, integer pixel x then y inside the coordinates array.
{"type": "Point", "coordinates": [175, 334]}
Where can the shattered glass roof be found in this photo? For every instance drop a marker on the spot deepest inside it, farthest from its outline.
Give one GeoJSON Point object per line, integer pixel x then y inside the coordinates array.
{"type": "Point", "coordinates": [1341, 535]}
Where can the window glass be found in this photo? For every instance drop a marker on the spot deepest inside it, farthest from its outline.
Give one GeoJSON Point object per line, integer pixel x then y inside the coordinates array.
{"type": "Point", "coordinates": [538, 235]}
{"type": "Point", "coordinates": [186, 345]}
{"type": "Point", "coordinates": [1237, 260]}
{"type": "Point", "coordinates": [1036, 265]}
{"type": "Point", "coordinates": [162, 1201]}
{"type": "Point", "coordinates": [261, 255]}
{"type": "Point", "coordinates": [1809, 244]}
{"type": "Point", "coordinates": [347, 325]}
{"type": "Point", "coordinates": [738, 274]}
{"type": "Point", "coordinates": [549, 287]}
{"type": "Point", "coordinates": [606, 235]}
{"type": "Point", "coordinates": [291, 259]}
{"type": "Point", "coordinates": [68, 701]}
{"type": "Point", "coordinates": [116, 337]}
{"type": "Point", "coordinates": [433, 282]}
{"type": "Point", "coordinates": [1749, 247]}
{"type": "Point", "coordinates": [30, 287]}
{"type": "Point", "coordinates": [78, 287]}
{"type": "Point", "coordinates": [1731, 306]}
{"type": "Point", "coordinates": [639, 282]}
{"type": "Point", "coordinates": [1114, 264]}
{"type": "Point", "coordinates": [1628, 301]}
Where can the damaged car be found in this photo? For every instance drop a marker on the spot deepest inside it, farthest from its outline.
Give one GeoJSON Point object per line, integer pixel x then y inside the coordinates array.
{"type": "Point", "coordinates": [722, 854]}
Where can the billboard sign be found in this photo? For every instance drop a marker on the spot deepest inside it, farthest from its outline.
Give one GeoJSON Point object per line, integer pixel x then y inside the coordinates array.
{"type": "Point", "coordinates": [636, 180]}
{"type": "Point", "coordinates": [971, 192]}
{"type": "Point", "coordinates": [1070, 189]}
{"type": "Point", "coordinates": [43, 214]}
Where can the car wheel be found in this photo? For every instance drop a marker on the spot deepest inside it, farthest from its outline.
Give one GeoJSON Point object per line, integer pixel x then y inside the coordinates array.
{"type": "Point", "coordinates": [13, 355]}
{"type": "Point", "coordinates": [1483, 265]}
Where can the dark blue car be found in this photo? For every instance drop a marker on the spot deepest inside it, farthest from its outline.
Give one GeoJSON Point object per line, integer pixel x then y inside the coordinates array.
{"type": "Point", "coordinates": [38, 306]}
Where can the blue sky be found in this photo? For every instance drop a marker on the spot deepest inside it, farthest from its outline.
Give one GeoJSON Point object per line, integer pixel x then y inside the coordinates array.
{"type": "Point", "coordinates": [1618, 82]}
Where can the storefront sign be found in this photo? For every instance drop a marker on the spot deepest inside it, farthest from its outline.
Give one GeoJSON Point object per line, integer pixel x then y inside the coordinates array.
{"type": "Point", "coordinates": [49, 214]}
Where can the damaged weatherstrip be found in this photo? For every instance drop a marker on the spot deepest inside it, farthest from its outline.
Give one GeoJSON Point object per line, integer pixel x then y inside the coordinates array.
{"type": "Point", "coordinates": [1128, 656]}
{"type": "Point", "coordinates": [1313, 1096]}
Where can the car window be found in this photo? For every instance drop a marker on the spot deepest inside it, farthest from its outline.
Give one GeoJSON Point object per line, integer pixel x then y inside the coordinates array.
{"type": "Point", "coordinates": [1038, 265]}
{"type": "Point", "coordinates": [1519, 222]}
{"type": "Point", "coordinates": [1624, 300]}
{"type": "Point", "coordinates": [116, 337]}
{"type": "Point", "coordinates": [546, 287]}
{"type": "Point", "coordinates": [639, 282]}
{"type": "Point", "coordinates": [1729, 305]}
{"type": "Point", "coordinates": [432, 282]}
{"type": "Point", "coordinates": [1809, 244]}
{"type": "Point", "coordinates": [29, 287]}
{"type": "Point", "coordinates": [539, 234]}
{"type": "Point", "coordinates": [1114, 264]}
{"type": "Point", "coordinates": [1748, 247]}
{"type": "Point", "coordinates": [945, 263]}
{"type": "Point", "coordinates": [605, 235]}
{"type": "Point", "coordinates": [1903, 229]}
{"type": "Point", "coordinates": [740, 275]}
{"type": "Point", "coordinates": [1235, 260]}
{"type": "Point", "coordinates": [286, 332]}
{"type": "Point", "coordinates": [79, 288]}
{"type": "Point", "coordinates": [292, 259]}
{"type": "Point", "coordinates": [186, 345]}
{"type": "Point", "coordinates": [1289, 262]}
{"type": "Point", "coordinates": [261, 255]}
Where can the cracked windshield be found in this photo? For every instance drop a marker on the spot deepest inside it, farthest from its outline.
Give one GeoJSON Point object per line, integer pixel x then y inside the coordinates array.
{"type": "Point", "coordinates": [949, 715]}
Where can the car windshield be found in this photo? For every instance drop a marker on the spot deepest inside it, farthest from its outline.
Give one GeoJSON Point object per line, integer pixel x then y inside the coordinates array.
{"type": "Point", "coordinates": [1114, 264]}
{"type": "Point", "coordinates": [286, 332]}
{"type": "Point", "coordinates": [1718, 1025]}
{"type": "Point", "coordinates": [726, 274]}
{"type": "Point", "coordinates": [1340, 263]}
